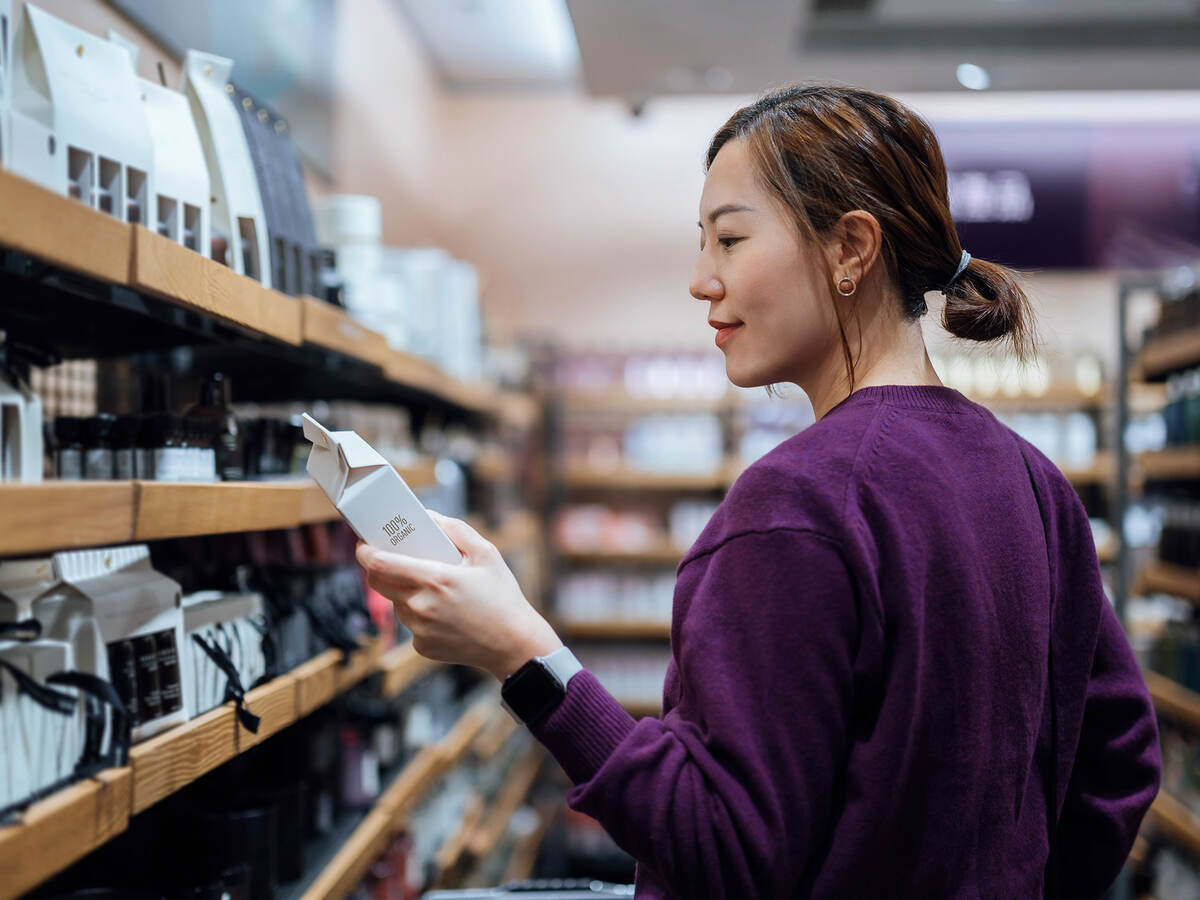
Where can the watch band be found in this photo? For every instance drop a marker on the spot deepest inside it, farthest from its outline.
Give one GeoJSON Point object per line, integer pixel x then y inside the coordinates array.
{"type": "Point", "coordinates": [562, 662]}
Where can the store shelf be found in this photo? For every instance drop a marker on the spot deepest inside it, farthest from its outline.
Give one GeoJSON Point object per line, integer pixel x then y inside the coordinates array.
{"type": "Point", "coordinates": [492, 465]}
{"type": "Point", "coordinates": [1108, 551]}
{"type": "Point", "coordinates": [525, 851]}
{"type": "Point", "coordinates": [1176, 821]}
{"type": "Point", "coordinates": [1175, 463]}
{"type": "Point", "coordinates": [619, 402]}
{"type": "Point", "coordinates": [68, 825]}
{"type": "Point", "coordinates": [451, 851]}
{"type": "Point", "coordinates": [1162, 356]}
{"type": "Point", "coordinates": [1103, 470]}
{"type": "Point", "coordinates": [1059, 397]}
{"type": "Point", "coordinates": [374, 833]}
{"type": "Point", "coordinates": [616, 629]}
{"type": "Point", "coordinates": [63, 515]}
{"type": "Point", "coordinates": [1173, 700]}
{"type": "Point", "coordinates": [518, 532]}
{"type": "Point", "coordinates": [331, 327]}
{"type": "Point", "coordinates": [1166, 578]}
{"type": "Point", "coordinates": [490, 829]}
{"type": "Point", "coordinates": [400, 666]}
{"type": "Point", "coordinates": [651, 556]}
{"type": "Point", "coordinates": [583, 477]}
{"type": "Point", "coordinates": [642, 709]}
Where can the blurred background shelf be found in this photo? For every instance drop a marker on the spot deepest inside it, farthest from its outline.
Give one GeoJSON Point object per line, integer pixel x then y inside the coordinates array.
{"type": "Point", "coordinates": [1166, 578]}
{"type": "Point", "coordinates": [651, 556]}
{"type": "Point", "coordinates": [615, 629]}
{"type": "Point", "coordinates": [1173, 700]}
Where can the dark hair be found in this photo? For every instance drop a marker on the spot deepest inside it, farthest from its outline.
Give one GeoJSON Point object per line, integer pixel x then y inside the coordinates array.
{"type": "Point", "coordinates": [826, 150]}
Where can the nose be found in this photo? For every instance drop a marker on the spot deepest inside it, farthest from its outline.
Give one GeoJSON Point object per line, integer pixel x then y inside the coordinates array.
{"type": "Point", "coordinates": [705, 285]}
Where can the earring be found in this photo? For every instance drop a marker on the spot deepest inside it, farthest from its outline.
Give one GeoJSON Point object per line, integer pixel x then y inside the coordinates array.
{"type": "Point", "coordinates": [846, 287]}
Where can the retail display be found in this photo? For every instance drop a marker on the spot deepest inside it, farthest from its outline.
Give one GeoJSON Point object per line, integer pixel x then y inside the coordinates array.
{"type": "Point", "coordinates": [214, 415]}
{"type": "Point", "coordinates": [662, 375]}
{"type": "Point", "coordinates": [371, 495]}
{"type": "Point", "coordinates": [238, 222]}
{"type": "Point", "coordinates": [632, 674]}
{"type": "Point", "coordinates": [295, 261]}
{"type": "Point", "coordinates": [602, 596]}
{"type": "Point", "coordinates": [20, 427]}
{"type": "Point", "coordinates": [77, 120]}
{"type": "Point", "coordinates": [223, 646]}
{"type": "Point", "coordinates": [1181, 415]}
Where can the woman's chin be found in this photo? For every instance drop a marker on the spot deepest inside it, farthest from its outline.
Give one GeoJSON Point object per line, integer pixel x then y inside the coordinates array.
{"type": "Point", "coordinates": [746, 377]}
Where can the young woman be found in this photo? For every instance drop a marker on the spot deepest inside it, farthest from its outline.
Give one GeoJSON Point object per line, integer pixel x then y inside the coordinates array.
{"type": "Point", "coordinates": [895, 672]}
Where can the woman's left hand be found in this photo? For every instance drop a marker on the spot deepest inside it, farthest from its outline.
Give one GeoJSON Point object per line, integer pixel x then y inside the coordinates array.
{"type": "Point", "coordinates": [473, 613]}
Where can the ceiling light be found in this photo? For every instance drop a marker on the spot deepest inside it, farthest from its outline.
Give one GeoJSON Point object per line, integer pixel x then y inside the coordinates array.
{"type": "Point", "coordinates": [973, 77]}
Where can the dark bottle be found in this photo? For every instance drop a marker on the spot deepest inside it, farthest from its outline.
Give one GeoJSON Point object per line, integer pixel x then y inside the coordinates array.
{"type": "Point", "coordinates": [98, 448]}
{"type": "Point", "coordinates": [169, 452]}
{"type": "Point", "coordinates": [222, 427]}
{"type": "Point", "coordinates": [143, 452]}
{"type": "Point", "coordinates": [124, 439]}
{"type": "Point", "coordinates": [68, 455]}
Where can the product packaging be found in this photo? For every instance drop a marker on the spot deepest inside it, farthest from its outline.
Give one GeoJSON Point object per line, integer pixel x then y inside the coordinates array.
{"type": "Point", "coordinates": [223, 638]}
{"type": "Point", "coordinates": [20, 430]}
{"type": "Point", "coordinates": [372, 497]}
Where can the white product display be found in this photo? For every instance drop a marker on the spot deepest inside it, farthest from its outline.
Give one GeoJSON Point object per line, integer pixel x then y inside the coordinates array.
{"type": "Point", "coordinates": [237, 211]}
{"type": "Point", "coordinates": [180, 206]}
{"type": "Point", "coordinates": [372, 497]}
{"type": "Point", "coordinates": [226, 624]}
{"type": "Point", "coordinates": [6, 29]}
{"type": "Point", "coordinates": [675, 443]}
{"type": "Point", "coordinates": [124, 622]}
{"type": "Point", "coordinates": [420, 272]}
{"type": "Point", "coordinates": [460, 331]}
{"type": "Point", "coordinates": [20, 431]}
{"type": "Point", "coordinates": [78, 126]}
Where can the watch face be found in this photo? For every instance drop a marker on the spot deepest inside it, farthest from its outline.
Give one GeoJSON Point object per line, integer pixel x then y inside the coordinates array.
{"type": "Point", "coordinates": [532, 691]}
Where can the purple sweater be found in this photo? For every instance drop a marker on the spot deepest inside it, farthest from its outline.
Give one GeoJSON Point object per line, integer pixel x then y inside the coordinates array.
{"type": "Point", "coordinates": [858, 700]}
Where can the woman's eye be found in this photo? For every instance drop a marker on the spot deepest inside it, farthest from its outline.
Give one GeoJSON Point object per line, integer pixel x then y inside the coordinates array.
{"type": "Point", "coordinates": [728, 242]}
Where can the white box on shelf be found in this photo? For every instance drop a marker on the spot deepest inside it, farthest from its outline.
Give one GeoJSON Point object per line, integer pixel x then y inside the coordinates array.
{"type": "Point", "coordinates": [181, 206]}
{"type": "Point", "coordinates": [6, 29]}
{"type": "Point", "coordinates": [237, 211]}
{"type": "Point", "coordinates": [78, 126]}
{"type": "Point", "coordinates": [372, 497]}
{"type": "Point", "coordinates": [20, 431]}
{"type": "Point", "coordinates": [124, 621]}
{"type": "Point", "coordinates": [228, 621]}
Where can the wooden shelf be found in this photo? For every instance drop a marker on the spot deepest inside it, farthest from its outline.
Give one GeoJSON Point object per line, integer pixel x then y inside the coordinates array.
{"type": "Point", "coordinates": [490, 829]}
{"type": "Point", "coordinates": [1058, 397]}
{"type": "Point", "coordinates": [1163, 355]}
{"type": "Point", "coordinates": [619, 402]}
{"type": "Point", "coordinates": [616, 630]}
{"type": "Point", "coordinates": [1103, 470]}
{"type": "Point", "coordinates": [492, 465]}
{"type": "Point", "coordinates": [1108, 551]}
{"type": "Point", "coordinates": [68, 825]}
{"type": "Point", "coordinates": [1166, 578]}
{"type": "Point", "coordinates": [1173, 700]}
{"type": "Point", "coordinates": [1176, 821]}
{"type": "Point", "coordinates": [64, 515]}
{"type": "Point", "coordinates": [583, 477]}
{"type": "Point", "coordinates": [642, 709]}
{"type": "Point", "coordinates": [652, 556]}
{"type": "Point", "coordinates": [520, 531]}
{"type": "Point", "coordinates": [401, 666]}
{"type": "Point", "coordinates": [374, 833]}
{"type": "Point", "coordinates": [328, 326]}
{"type": "Point", "coordinates": [1175, 463]}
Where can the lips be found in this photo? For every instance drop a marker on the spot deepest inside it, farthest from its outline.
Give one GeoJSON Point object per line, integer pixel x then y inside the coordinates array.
{"type": "Point", "coordinates": [725, 330]}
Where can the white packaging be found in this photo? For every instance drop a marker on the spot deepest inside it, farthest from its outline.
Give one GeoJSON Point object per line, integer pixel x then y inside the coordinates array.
{"type": "Point", "coordinates": [78, 126]}
{"type": "Point", "coordinates": [180, 207]}
{"type": "Point", "coordinates": [112, 601]}
{"type": "Point", "coordinates": [227, 621]}
{"type": "Point", "coordinates": [20, 431]}
{"type": "Point", "coordinates": [372, 497]}
{"type": "Point", "coordinates": [237, 209]}
{"type": "Point", "coordinates": [6, 29]}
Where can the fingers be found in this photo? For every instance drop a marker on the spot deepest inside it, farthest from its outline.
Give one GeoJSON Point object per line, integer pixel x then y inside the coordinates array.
{"type": "Point", "coordinates": [401, 570]}
{"type": "Point", "coordinates": [469, 541]}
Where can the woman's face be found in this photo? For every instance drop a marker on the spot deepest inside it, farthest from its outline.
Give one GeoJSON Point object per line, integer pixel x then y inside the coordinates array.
{"type": "Point", "coordinates": [765, 286]}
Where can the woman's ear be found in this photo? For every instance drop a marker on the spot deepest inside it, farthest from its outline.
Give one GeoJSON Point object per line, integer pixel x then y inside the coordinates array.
{"type": "Point", "coordinates": [853, 246]}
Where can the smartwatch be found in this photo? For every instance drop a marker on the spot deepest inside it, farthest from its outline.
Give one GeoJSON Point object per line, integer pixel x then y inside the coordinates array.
{"type": "Point", "coordinates": [535, 690]}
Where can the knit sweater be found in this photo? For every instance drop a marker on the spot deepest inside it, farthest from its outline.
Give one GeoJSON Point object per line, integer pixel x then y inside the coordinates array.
{"type": "Point", "coordinates": [865, 642]}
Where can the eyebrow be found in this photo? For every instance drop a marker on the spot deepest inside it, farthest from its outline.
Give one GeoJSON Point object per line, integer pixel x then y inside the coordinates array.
{"type": "Point", "coordinates": [726, 208]}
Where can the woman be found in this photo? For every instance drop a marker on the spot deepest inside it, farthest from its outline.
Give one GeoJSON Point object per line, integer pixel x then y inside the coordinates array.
{"type": "Point", "coordinates": [892, 655]}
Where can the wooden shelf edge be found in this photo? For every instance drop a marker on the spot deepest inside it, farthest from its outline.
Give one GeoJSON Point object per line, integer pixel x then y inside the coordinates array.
{"type": "Point", "coordinates": [1173, 700]}
{"type": "Point", "coordinates": [1168, 578]}
{"type": "Point", "coordinates": [1176, 821]}
{"type": "Point", "coordinates": [615, 629]}
{"type": "Point", "coordinates": [1169, 463]}
{"type": "Point", "coordinates": [585, 478]}
{"type": "Point", "coordinates": [365, 844]}
{"type": "Point", "coordinates": [401, 666]}
{"type": "Point", "coordinates": [652, 556]}
{"type": "Point", "coordinates": [1163, 355]}
{"type": "Point", "coordinates": [490, 829]}
{"type": "Point", "coordinates": [641, 709]}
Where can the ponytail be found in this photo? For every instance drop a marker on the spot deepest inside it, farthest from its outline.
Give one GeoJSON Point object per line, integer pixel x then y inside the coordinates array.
{"type": "Point", "coordinates": [986, 303]}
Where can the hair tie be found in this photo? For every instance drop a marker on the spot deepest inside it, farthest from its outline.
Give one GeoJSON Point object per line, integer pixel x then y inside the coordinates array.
{"type": "Point", "coordinates": [962, 265]}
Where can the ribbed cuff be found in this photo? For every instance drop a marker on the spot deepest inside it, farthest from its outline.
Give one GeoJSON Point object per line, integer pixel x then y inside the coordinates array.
{"type": "Point", "coordinates": [585, 728]}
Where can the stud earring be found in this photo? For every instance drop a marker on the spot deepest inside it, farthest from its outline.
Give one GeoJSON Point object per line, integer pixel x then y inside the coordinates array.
{"type": "Point", "coordinates": [846, 287]}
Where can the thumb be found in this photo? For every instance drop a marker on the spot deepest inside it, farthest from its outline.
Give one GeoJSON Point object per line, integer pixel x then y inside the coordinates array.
{"type": "Point", "coordinates": [471, 543]}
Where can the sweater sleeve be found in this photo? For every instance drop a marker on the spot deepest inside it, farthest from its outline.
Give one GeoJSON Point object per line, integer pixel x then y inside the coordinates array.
{"type": "Point", "coordinates": [730, 794]}
{"type": "Point", "coordinates": [1116, 771]}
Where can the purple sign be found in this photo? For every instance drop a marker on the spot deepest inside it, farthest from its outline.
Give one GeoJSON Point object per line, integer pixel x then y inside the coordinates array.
{"type": "Point", "coordinates": [1076, 196]}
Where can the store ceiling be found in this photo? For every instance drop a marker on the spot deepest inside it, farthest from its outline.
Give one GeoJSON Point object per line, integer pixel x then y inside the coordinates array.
{"type": "Point", "coordinates": [638, 49]}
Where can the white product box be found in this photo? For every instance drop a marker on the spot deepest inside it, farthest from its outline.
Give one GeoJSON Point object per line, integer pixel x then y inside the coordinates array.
{"type": "Point", "coordinates": [7, 25]}
{"type": "Point", "coordinates": [237, 209]}
{"type": "Point", "coordinates": [227, 621]}
{"type": "Point", "coordinates": [111, 605]}
{"type": "Point", "coordinates": [20, 432]}
{"type": "Point", "coordinates": [372, 497]}
{"type": "Point", "coordinates": [78, 126]}
{"type": "Point", "coordinates": [180, 207]}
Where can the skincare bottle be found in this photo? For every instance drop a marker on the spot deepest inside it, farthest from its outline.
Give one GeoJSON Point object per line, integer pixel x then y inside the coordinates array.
{"type": "Point", "coordinates": [222, 427]}
{"type": "Point", "coordinates": [124, 436]}
{"type": "Point", "coordinates": [143, 451]}
{"type": "Point", "coordinates": [68, 456]}
{"type": "Point", "coordinates": [98, 448]}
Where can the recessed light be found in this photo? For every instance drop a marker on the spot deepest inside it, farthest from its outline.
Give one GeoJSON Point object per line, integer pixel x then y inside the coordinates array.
{"type": "Point", "coordinates": [973, 77]}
